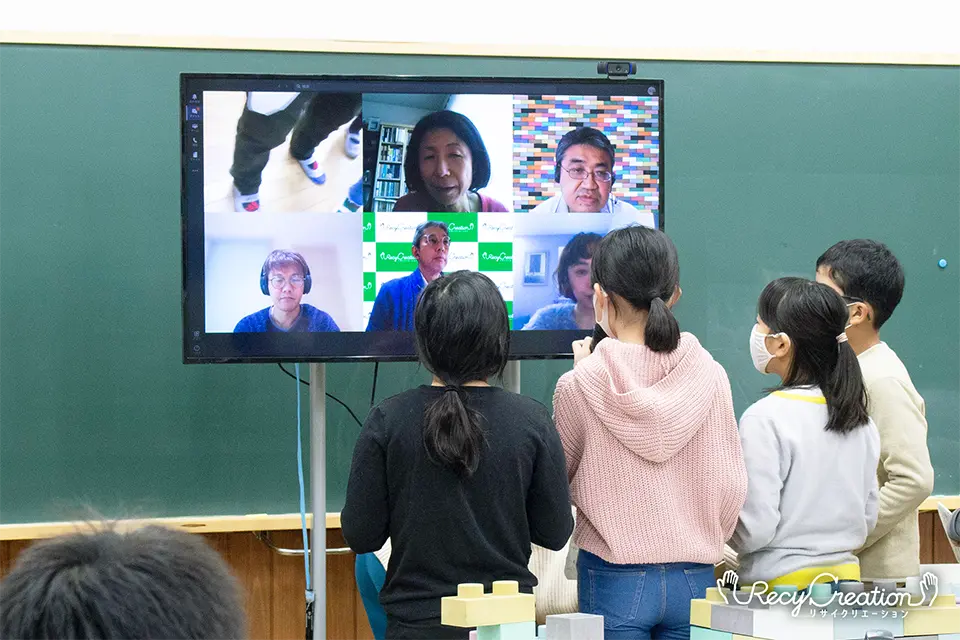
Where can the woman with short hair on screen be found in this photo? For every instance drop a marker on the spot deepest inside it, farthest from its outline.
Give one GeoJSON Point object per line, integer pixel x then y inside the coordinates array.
{"type": "Point", "coordinates": [461, 476]}
{"type": "Point", "coordinates": [573, 281]}
{"type": "Point", "coordinates": [445, 167]}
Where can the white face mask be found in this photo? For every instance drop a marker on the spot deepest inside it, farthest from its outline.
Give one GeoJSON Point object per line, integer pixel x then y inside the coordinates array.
{"type": "Point", "coordinates": [604, 319]}
{"type": "Point", "coordinates": [758, 349]}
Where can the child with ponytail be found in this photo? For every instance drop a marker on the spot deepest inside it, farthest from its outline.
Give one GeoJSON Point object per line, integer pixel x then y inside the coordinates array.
{"type": "Point", "coordinates": [461, 476]}
{"type": "Point", "coordinates": [811, 449]}
{"type": "Point", "coordinates": [650, 436]}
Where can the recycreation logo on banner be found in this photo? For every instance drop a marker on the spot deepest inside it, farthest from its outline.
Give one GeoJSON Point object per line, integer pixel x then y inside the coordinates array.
{"type": "Point", "coordinates": [841, 603]}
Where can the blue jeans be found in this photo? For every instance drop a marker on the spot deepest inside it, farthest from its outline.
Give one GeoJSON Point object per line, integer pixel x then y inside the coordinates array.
{"type": "Point", "coordinates": [640, 601]}
{"type": "Point", "coordinates": [370, 577]}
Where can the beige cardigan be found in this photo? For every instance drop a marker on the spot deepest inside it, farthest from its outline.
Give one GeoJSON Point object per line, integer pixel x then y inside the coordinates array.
{"type": "Point", "coordinates": [892, 550]}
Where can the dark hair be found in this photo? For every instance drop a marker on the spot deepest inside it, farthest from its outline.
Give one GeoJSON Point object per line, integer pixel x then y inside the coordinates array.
{"type": "Point", "coordinates": [814, 316]}
{"type": "Point", "coordinates": [154, 582]}
{"type": "Point", "coordinates": [462, 334]}
{"type": "Point", "coordinates": [580, 247]}
{"type": "Point", "coordinates": [422, 229]}
{"type": "Point", "coordinates": [868, 270]}
{"type": "Point", "coordinates": [464, 129]}
{"type": "Point", "coordinates": [283, 258]}
{"type": "Point", "coordinates": [588, 136]}
{"type": "Point", "coordinates": [640, 266]}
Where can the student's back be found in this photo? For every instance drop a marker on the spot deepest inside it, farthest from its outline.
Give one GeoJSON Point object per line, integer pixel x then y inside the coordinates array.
{"type": "Point", "coordinates": [651, 443]}
{"type": "Point", "coordinates": [814, 496]}
{"type": "Point", "coordinates": [649, 434]}
{"type": "Point", "coordinates": [446, 529]}
{"type": "Point", "coordinates": [461, 476]}
{"type": "Point", "coordinates": [810, 448]}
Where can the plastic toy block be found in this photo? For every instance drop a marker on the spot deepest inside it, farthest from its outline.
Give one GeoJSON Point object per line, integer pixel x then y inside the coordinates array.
{"type": "Point", "coordinates": [471, 607]}
{"type": "Point", "coordinates": [575, 626]}
{"type": "Point", "coordinates": [732, 619]}
{"type": "Point", "coordinates": [542, 632]}
{"type": "Point", "coordinates": [949, 636]}
{"type": "Point", "coordinates": [928, 621]}
{"type": "Point", "coordinates": [855, 628]}
{"type": "Point", "coordinates": [779, 623]}
{"type": "Point", "coordinates": [713, 594]}
{"type": "Point", "coordinates": [699, 633]}
{"type": "Point", "coordinates": [473, 634]}
{"type": "Point", "coordinates": [945, 600]}
{"type": "Point", "coordinates": [700, 613]}
{"type": "Point", "coordinates": [510, 631]}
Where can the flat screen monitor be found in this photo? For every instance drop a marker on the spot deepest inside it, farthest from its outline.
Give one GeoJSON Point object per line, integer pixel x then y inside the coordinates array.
{"type": "Point", "coordinates": [315, 208]}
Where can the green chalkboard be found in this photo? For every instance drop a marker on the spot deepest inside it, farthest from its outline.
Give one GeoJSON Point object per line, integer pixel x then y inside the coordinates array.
{"type": "Point", "coordinates": [766, 166]}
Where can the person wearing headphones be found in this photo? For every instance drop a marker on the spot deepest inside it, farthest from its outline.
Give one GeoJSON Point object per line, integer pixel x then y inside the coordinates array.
{"type": "Point", "coordinates": [585, 171]}
{"type": "Point", "coordinates": [397, 299]}
{"type": "Point", "coordinates": [285, 277]}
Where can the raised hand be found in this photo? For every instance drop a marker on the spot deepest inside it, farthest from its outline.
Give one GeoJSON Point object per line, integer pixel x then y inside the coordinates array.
{"type": "Point", "coordinates": [929, 587]}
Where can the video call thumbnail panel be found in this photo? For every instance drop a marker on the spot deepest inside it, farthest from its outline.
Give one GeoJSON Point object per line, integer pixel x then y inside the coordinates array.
{"type": "Point", "coordinates": [526, 207]}
{"type": "Point", "coordinates": [500, 153]}
{"type": "Point", "coordinates": [261, 269]}
{"type": "Point", "coordinates": [281, 152]}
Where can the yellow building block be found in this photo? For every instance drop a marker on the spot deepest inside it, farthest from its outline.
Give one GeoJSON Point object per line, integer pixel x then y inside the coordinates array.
{"type": "Point", "coordinates": [714, 595]}
{"type": "Point", "coordinates": [931, 621]}
{"type": "Point", "coordinates": [700, 613]}
{"type": "Point", "coordinates": [471, 607]}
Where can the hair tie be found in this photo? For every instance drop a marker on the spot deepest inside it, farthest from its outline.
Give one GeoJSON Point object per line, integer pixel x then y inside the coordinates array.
{"type": "Point", "coordinates": [451, 387]}
{"type": "Point", "coordinates": [842, 338]}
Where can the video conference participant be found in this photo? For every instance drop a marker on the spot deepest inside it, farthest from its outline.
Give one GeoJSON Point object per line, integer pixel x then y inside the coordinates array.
{"type": "Point", "coordinates": [446, 166]}
{"type": "Point", "coordinates": [585, 170]}
{"type": "Point", "coordinates": [573, 281]}
{"type": "Point", "coordinates": [266, 121]}
{"type": "Point", "coordinates": [397, 299]}
{"type": "Point", "coordinates": [285, 277]}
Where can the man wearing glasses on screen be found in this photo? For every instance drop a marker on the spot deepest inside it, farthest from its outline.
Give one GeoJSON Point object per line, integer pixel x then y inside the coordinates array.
{"type": "Point", "coordinates": [285, 277]}
{"type": "Point", "coordinates": [396, 300]}
{"type": "Point", "coordinates": [585, 171]}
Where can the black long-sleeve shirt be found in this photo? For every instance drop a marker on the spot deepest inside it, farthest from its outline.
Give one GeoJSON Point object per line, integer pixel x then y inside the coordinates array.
{"type": "Point", "coordinates": [446, 530]}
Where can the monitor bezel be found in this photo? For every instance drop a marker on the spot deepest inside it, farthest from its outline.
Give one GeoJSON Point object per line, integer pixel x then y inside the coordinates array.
{"type": "Point", "coordinates": [387, 346]}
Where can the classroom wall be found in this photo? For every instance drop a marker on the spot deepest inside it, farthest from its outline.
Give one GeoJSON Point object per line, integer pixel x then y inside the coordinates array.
{"type": "Point", "coordinates": [766, 165]}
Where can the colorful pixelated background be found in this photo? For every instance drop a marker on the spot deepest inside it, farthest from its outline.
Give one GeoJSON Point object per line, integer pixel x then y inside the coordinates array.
{"type": "Point", "coordinates": [631, 123]}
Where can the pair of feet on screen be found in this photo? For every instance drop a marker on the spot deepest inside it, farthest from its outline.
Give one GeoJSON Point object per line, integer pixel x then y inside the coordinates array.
{"type": "Point", "coordinates": [311, 168]}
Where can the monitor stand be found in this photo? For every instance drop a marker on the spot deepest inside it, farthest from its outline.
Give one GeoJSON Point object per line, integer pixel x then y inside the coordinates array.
{"type": "Point", "coordinates": [318, 496]}
{"type": "Point", "coordinates": [511, 376]}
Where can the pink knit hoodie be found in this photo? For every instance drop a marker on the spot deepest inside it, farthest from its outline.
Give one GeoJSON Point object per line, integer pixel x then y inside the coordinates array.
{"type": "Point", "coordinates": [653, 454]}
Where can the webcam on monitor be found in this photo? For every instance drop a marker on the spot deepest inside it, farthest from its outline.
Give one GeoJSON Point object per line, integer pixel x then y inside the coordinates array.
{"type": "Point", "coordinates": [617, 69]}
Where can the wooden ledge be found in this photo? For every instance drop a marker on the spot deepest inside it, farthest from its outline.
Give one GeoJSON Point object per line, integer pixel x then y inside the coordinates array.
{"type": "Point", "coordinates": [253, 522]}
{"type": "Point", "coordinates": [950, 502]}
{"type": "Point", "coordinates": [209, 524]}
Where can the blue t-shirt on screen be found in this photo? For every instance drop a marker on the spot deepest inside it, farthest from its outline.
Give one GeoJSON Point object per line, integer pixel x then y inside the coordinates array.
{"type": "Point", "coordinates": [310, 319]}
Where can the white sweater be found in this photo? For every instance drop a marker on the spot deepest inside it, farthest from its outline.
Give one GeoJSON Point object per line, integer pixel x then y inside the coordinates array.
{"type": "Point", "coordinates": [811, 494]}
